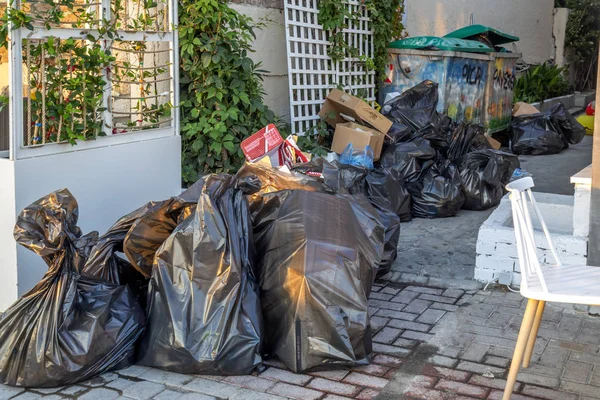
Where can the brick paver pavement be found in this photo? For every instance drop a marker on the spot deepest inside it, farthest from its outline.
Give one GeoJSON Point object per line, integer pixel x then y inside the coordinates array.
{"type": "Point", "coordinates": [429, 344]}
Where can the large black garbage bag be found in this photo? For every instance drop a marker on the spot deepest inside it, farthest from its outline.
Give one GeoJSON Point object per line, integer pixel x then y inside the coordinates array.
{"type": "Point", "coordinates": [466, 138]}
{"type": "Point", "coordinates": [537, 134]}
{"type": "Point", "coordinates": [438, 193]}
{"type": "Point", "coordinates": [316, 273]}
{"type": "Point", "coordinates": [204, 311]}
{"type": "Point", "coordinates": [573, 131]}
{"type": "Point", "coordinates": [387, 191]}
{"type": "Point", "coordinates": [409, 160]}
{"type": "Point", "coordinates": [70, 326]}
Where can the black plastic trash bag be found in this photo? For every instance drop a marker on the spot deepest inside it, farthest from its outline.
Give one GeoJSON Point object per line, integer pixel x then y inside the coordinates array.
{"type": "Point", "coordinates": [316, 273]}
{"type": "Point", "coordinates": [537, 134]}
{"type": "Point", "coordinates": [204, 311]}
{"type": "Point", "coordinates": [438, 193]}
{"type": "Point", "coordinates": [573, 131]}
{"type": "Point", "coordinates": [414, 109]}
{"type": "Point", "coordinates": [387, 191]}
{"type": "Point", "coordinates": [409, 160]}
{"type": "Point", "coordinates": [466, 138]}
{"type": "Point", "coordinates": [70, 326]}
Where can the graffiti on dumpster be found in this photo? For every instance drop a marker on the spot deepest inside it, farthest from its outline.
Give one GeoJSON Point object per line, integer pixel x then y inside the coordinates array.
{"type": "Point", "coordinates": [462, 82]}
{"type": "Point", "coordinates": [499, 107]}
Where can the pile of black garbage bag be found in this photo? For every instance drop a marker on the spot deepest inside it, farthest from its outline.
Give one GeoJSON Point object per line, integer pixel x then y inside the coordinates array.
{"type": "Point", "coordinates": [548, 132]}
{"type": "Point", "coordinates": [233, 270]}
{"type": "Point", "coordinates": [443, 165]}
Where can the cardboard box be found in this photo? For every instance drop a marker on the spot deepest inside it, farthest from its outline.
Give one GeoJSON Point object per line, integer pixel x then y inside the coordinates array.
{"type": "Point", "coordinates": [359, 135]}
{"type": "Point", "coordinates": [494, 143]}
{"type": "Point", "coordinates": [339, 103]}
{"type": "Point", "coordinates": [522, 108]}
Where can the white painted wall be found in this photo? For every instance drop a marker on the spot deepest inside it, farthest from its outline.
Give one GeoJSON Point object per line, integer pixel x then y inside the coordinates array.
{"type": "Point", "coordinates": [108, 182]}
{"type": "Point", "coordinates": [270, 50]}
{"type": "Point", "coordinates": [531, 20]}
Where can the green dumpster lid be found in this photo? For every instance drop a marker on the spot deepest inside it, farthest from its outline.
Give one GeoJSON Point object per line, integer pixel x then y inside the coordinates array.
{"type": "Point", "coordinates": [439, 43]}
{"type": "Point", "coordinates": [472, 31]}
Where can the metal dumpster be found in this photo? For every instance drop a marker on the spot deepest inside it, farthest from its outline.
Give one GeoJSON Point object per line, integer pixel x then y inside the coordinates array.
{"type": "Point", "coordinates": [475, 83]}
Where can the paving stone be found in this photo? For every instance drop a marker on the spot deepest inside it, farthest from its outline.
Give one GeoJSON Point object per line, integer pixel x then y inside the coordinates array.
{"type": "Point", "coordinates": [422, 289]}
{"type": "Point", "coordinates": [143, 390]}
{"type": "Point", "coordinates": [406, 343]}
{"type": "Point", "coordinates": [396, 314]}
{"type": "Point", "coordinates": [580, 388]}
{"type": "Point", "coordinates": [539, 380]}
{"type": "Point", "coordinates": [359, 379]}
{"type": "Point", "coordinates": [494, 383]}
{"type": "Point", "coordinates": [285, 376]}
{"type": "Point", "coordinates": [424, 393]}
{"type": "Point", "coordinates": [453, 293]}
{"type": "Point", "coordinates": [169, 394]}
{"type": "Point", "coordinates": [99, 394]}
{"type": "Point", "coordinates": [450, 351]}
{"type": "Point", "coordinates": [295, 392]}
{"type": "Point", "coordinates": [577, 372]}
{"type": "Point", "coordinates": [413, 326]}
{"type": "Point", "coordinates": [196, 396]}
{"type": "Point", "coordinates": [368, 394]}
{"type": "Point", "coordinates": [582, 348]}
{"type": "Point", "coordinates": [482, 310]}
{"type": "Point", "coordinates": [405, 296]}
{"type": "Point", "coordinates": [378, 322]}
{"type": "Point", "coordinates": [444, 307]}
{"type": "Point", "coordinates": [73, 390]}
{"type": "Point", "coordinates": [134, 370]}
{"type": "Point", "coordinates": [417, 306]}
{"type": "Point", "coordinates": [497, 361]}
{"type": "Point", "coordinates": [437, 299]}
{"type": "Point", "coordinates": [49, 390]}
{"type": "Point", "coordinates": [391, 350]}
{"type": "Point", "coordinates": [475, 352]}
{"type": "Point", "coordinates": [390, 361]}
{"type": "Point", "coordinates": [246, 394]}
{"type": "Point", "coordinates": [250, 382]}
{"type": "Point", "coordinates": [422, 381]}
{"type": "Point", "coordinates": [372, 369]}
{"type": "Point", "coordinates": [390, 290]}
{"type": "Point", "coordinates": [498, 394]}
{"type": "Point", "coordinates": [165, 377]}
{"type": "Point", "coordinates": [28, 396]}
{"type": "Point", "coordinates": [120, 383]}
{"type": "Point", "coordinates": [480, 368]}
{"type": "Point", "coordinates": [336, 397]}
{"type": "Point", "coordinates": [335, 375]}
{"type": "Point", "coordinates": [539, 369]}
{"type": "Point", "coordinates": [376, 288]}
{"type": "Point", "coordinates": [495, 341]}
{"type": "Point", "coordinates": [325, 385]}
{"type": "Point", "coordinates": [380, 296]}
{"type": "Point", "coordinates": [387, 335]}
{"type": "Point", "coordinates": [213, 388]}
{"type": "Point", "coordinates": [586, 357]}
{"type": "Point", "coordinates": [462, 388]}
{"type": "Point", "coordinates": [446, 373]}
{"type": "Point", "coordinates": [553, 356]}
{"type": "Point", "coordinates": [443, 361]}
{"type": "Point", "coordinates": [417, 336]}
{"type": "Point", "coordinates": [548, 394]}
{"type": "Point", "coordinates": [386, 304]}
{"type": "Point", "coordinates": [431, 316]}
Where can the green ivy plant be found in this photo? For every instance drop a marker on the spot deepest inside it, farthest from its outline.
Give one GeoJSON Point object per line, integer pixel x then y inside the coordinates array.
{"type": "Point", "coordinates": [221, 87]}
{"type": "Point", "coordinates": [581, 40]}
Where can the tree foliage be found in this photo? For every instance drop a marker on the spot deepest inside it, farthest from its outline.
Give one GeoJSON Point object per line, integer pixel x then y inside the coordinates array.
{"type": "Point", "coordinates": [221, 89]}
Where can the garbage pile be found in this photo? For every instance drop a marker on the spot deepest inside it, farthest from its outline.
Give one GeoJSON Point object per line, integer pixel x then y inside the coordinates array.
{"type": "Point", "coordinates": [539, 133]}
{"type": "Point", "coordinates": [276, 261]}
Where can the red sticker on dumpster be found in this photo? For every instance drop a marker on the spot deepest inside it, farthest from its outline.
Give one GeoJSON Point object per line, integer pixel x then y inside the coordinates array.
{"type": "Point", "coordinates": [261, 143]}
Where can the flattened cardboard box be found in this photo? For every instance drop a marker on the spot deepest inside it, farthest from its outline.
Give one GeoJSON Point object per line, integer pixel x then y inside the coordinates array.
{"type": "Point", "coordinates": [360, 136]}
{"type": "Point", "coordinates": [339, 102]}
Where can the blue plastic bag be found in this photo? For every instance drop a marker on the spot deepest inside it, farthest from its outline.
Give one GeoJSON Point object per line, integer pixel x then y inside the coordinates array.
{"type": "Point", "coordinates": [360, 158]}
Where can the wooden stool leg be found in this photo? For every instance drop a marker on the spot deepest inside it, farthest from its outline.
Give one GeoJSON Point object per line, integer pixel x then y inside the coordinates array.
{"type": "Point", "coordinates": [533, 334]}
{"type": "Point", "coordinates": [520, 347]}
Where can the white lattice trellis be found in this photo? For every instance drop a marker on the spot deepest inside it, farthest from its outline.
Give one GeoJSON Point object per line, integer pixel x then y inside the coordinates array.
{"type": "Point", "coordinates": [312, 73]}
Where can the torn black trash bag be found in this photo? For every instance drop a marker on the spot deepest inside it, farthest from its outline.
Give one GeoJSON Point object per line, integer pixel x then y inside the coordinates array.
{"type": "Point", "coordinates": [70, 326]}
{"type": "Point", "coordinates": [387, 191]}
{"type": "Point", "coordinates": [438, 193]}
{"type": "Point", "coordinates": [413, 110]}
{"type": "Point", "coordinates": [316, 273]}
{"type": "Point", "coordinates": [466, 138]}
{"type": "Point", "coordinates": [409, 160]}
{"type": "Point", "coordinates": [537, 134]}
{"type": "Point", "coordinates": [573, 131]}
{"type": "Point", "coordinates": [204, 311]}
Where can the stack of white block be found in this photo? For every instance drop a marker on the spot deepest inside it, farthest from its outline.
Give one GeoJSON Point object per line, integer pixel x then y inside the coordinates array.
{"type": "Point", "coordinates": [496, 246]}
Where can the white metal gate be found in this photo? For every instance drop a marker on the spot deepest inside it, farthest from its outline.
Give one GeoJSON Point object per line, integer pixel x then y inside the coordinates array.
{"type": "Point", "coordinates": [312, 73]}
